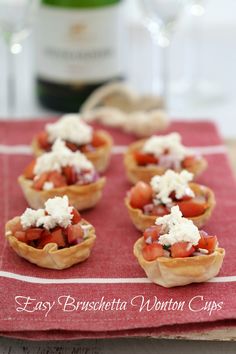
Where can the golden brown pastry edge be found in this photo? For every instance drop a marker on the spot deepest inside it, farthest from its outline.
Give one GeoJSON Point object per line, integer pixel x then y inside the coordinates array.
{"type": "Point", "coordinates": [50, 256]}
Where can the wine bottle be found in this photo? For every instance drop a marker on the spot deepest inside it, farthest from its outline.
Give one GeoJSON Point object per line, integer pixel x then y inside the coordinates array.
{"type": "Point", "coordinates": [78, 48]}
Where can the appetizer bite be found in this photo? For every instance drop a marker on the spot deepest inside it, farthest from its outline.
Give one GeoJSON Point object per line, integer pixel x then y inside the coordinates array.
{"type": "Point", "coordinates": [55, 237]}
{"type": "Point", "coordinates": [78, 136]}
{"type": "Point", "coordinates": [62, 172]}
{"type": "Point", "coordinates": [147, 201]}
{"type": "Point", "coordinates": [174, 252]}
{"type": "Point", "coordinates": [147, 158]}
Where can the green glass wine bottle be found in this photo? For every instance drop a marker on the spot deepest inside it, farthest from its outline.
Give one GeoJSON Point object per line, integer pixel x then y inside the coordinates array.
{"type": "Point", "coordinates": [78, 48]}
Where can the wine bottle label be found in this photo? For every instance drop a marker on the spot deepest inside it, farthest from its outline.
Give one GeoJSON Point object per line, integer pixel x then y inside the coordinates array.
{"type": "Point", "coordinates": [79, 45]}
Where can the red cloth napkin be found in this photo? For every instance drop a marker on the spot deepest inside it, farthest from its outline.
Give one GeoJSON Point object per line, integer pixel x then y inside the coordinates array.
{"type": "Point", "coordinates": [105, 294]}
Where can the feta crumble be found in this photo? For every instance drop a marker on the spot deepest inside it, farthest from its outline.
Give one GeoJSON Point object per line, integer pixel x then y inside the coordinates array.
{"type": "Point", "coordinates": [177, 229]}
{"type": "Point", "coordinates": [59, 157]}
{"type": "Point", "coordinates": [57, 212]}
{"type": "Point", "coordinates": [159, 145]}
{"type": "Point", "coordinates": [70, 128]}
{"type": "Point", "coordinates": [30, 216]}
{"type": "Point", "coordinates": [171, 181]}
{"type": "Point", "coordinates": [47, 186]}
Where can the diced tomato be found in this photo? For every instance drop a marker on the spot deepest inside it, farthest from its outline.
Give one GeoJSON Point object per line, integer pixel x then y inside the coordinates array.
{"type": "Point", "coordinates": [184, 198]}
{"type": "Point", "coordinates": [39, 182]}
{"type": "Point", "coordinates": [181, 249]}
{"type": "Point", "coordinates": [188, 161]}
{"type": "Point", "coordinates": [74, 233]}
{"type": "Point", "coordinates": [143, 159]}
{"type": "Point", "coordinates": [97, 140]}
{"type": "Point", "coordinates": [72, 146]}
{"type": "Point", "coordinates": [58, 237]}
{"type": "Point", "coordinates": [140, 195]}
{"type": "Point", "coordinates": [76, 216]}
{"type": "Point", "coordinates": [29, 170]}
{"type": "Point", "coordinates": [20, 235]}
{"type": "Point", "coordinates": [55, 236]}
{"type": "Point", "coordinates": [153, 251]}
{"type": "Point", "coordinates": [57, 179]}
{"type": "Point", "coordinates": [70, 174]}
{"type": "Point", "coordinates": [160, 210]}
{"type": "Point", "coordinates": [43, 142]}
{"type": "Point", "coordinates": [191, 209]}
{"type": "Point", "coordinates": [152, 232]}
{"type": "Point", "coordinates": [207, 242]}
{"type": "Point", "coordinates": [33, 233]}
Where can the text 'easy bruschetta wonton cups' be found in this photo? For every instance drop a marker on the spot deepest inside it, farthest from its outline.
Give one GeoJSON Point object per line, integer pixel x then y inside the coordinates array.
{"type": "Point", "coordinates": [62, 172]}
{"type": "Point", "coordinates": [78, 136]}
{"type": "Point", "coordinates": [147, 201]}
{"type": "Point", "coordinates": [55, 237]}
{"type": "Point", "coordinates": [174, 252]}
{"type": "Point", "coordinates": [149, 157]}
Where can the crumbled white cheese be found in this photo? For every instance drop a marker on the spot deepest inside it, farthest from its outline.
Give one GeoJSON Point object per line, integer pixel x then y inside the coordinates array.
{"type": "Point", "coordinates": [70, 128]}
{"type": "Point", "coordinates": [59, 157]}
{"type": "Point", "coordinates": [159, 145]}
{"type": "Point", "coordinates": [29, 217]}
{"type": "Point", "coordinates": [202, 250]}
{"type": "Point", "coordinates": [171, 181]}
{"type": "Point", "coordinates": [47, 222]}
{"type": "Point", "coordinates": [86, 229]}
{"type": "Point", "coordinates": [177, 228]}
{"type": "Point", "coordinates": [47, 186]}
{"type": "Point", "coordinates": [57, 212]}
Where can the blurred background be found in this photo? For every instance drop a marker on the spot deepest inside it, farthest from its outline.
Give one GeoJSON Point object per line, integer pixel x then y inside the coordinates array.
{"type": "Point", "coordinates": [197, 47]}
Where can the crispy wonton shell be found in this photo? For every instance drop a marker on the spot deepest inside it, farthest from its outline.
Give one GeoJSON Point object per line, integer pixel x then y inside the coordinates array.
{"type": "Point", "coordinates": [50, 256]}
{"type": "Point", "coordinates": [170, 272]}
{"type": "Point", "coordinates": [137, 173]}
{"type": "Point", "coordinates": [142, 221]}
{"type": "Point", "coordinates": [80, 196]}
{"type": "Point", "coordinates": [100, 158]}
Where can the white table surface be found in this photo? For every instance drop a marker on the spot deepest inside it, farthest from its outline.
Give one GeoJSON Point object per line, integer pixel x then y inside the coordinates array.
{"type": "Point", "coordinates": [218, 57]}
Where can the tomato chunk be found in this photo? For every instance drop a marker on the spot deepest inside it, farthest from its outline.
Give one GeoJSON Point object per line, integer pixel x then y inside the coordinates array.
{"type": "Point", "coordinates": [188, 161]}
{"type": "Point", "coordinates": [20, 235]}
{"type": "Point", "coordinates": [153, 251]}
{"type": "Point", "coordinates": [76, 216]}
{"type": "Point", "coordinates": [181, 249]}
{"type": "Point", "coordinates": [29, 170]}
{"type": "Point", "coordinates": [160, 210]}
{"type": "Point", "coordinates": [185, 198]}
{"type": "Point", "coordinates": [33, 233]}
{"type": "Point", "coordinates": [152, 232]}
{"type": "Point", "coordinates": [143, 159]}
{"type": "Point", "coordinates": [70, 174]}
{"type": "Point", "coordinates": [140, 195]}
{"type": "Point", "coordinates": [191, 209]}
{"type": "Point", "coordinates": [97, 140]}
{"type": "Point", "coordinates": [43, 142]}
{"type": "Point", "coordinates": [74, 234]}
{"type": "Point", "coordinates": [56, 236]}
{"type": "Point", "coordinates": [57, 179]}
{"type": "Point", "coordinates": [39, 182]}
{"type": "Point", "coordinates": [207, 242]}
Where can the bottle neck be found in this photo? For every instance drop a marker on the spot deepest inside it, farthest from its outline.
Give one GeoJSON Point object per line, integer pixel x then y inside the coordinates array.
{"type": "Point", "coordinates": [80, 3]}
